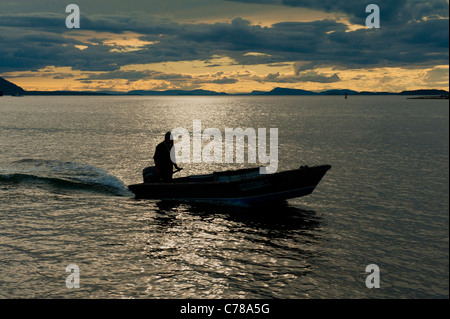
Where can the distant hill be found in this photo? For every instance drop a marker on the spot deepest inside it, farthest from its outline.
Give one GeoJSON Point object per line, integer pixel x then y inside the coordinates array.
{"type": "Point", "coordinates": [256, 92]}
{"type": "Point", "coordinates": [375, 93]}
{"type": "Point", "coordinates": [175, 92]}
{"type": "Point", "coordinates": [58, 93]}
{"type": "Point", "coordinates": [339, 92]}
{"type": "Point", "coordinates": [9, 88]}
{"type": "Point", "coordinates": [424, 92]}
{"type": "Point", "coordinates": [286, 91]}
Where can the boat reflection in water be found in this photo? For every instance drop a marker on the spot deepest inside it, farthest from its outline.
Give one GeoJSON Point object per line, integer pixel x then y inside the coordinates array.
{"type": "Point", "coordinates": [277, 217]}
{"type": "Point", "coordinates": [211, 251]}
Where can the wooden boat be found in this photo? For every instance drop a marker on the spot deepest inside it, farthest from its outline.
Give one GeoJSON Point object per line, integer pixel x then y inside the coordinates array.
{"type": "Point", "coordinates": [244, 187]}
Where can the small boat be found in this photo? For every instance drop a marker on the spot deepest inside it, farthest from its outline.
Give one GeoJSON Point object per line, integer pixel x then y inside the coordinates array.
{"type": "Point", "coordinates": [243, 187]}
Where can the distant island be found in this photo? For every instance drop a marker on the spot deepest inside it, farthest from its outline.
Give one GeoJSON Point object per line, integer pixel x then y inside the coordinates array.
{"type": "Point", "coordinates": [9, 88]}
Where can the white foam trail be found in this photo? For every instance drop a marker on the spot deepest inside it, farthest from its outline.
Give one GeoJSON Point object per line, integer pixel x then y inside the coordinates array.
{"type": "Point", "coordinates": [78, 172]}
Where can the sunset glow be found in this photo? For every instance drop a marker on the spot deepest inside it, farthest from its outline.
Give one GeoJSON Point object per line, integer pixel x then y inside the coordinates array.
{"type": "Point", "coordinates": [226, 46]}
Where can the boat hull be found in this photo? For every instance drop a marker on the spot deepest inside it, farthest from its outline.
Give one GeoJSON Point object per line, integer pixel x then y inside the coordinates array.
{"type": "Point", "coordinates": [242, 188]}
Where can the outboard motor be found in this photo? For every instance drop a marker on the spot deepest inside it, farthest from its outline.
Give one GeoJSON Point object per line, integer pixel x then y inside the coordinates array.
{"type": "Point", "coordinates": [149, 174]}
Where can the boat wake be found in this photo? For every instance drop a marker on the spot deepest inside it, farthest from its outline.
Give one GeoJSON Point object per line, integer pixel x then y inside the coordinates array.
{"type": "Point", "coordinates": [60, 175]}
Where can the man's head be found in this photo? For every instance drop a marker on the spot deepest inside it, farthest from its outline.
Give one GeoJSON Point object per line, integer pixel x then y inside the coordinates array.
{"type": "Point", "coordinates": [168, 137]}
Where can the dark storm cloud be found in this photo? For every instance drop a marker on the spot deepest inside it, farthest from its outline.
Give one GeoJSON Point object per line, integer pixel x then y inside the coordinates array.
{"type": "Point", "coordinates": [56, 23]}
{"type": "Point", "coordinates": [137, 75]}
{"type": "Point", "coordinates": [393, 12]}
{"type": "Point", "coordinates": [33, 41]}
{"type": "Point", "coordinates": [175, 80]}
{"type": "Point", "coordinates": [28, 50]}
{"type": "Point", "coordinates": [310, 76]}
{"type": "Point", "coordinates": [241, 36]}
{"type": "Point", "coordinates": [225, 80]}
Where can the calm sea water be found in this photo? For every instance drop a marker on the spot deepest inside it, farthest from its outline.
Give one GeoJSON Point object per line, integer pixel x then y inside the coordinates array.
{"type": "Point", "coordinates": [65, 163]}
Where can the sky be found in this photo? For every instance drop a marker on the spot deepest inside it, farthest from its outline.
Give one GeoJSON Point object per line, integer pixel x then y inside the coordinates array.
{"type": "Point", "coordinates": [233, 46]}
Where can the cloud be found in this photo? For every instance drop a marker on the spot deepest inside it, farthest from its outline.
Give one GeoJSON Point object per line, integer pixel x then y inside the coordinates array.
{"type": "Point", "coordinates": [157, 79]}
{"type": "Point", "coordinates": [437, 76]}
{"type": "Point", "coordinates": [310, 76]}
{"type": "Point", "coordinates": [277, 78]}
{"type": "Point", "coordinates": [225, 80]}
{"type": "Point", "coordinates": [36, 40]}
{"type": "Point", "coordinates": [313, 76]}
{"type": "Point", "coordinates": [303, 66]}
{"type": "Point", "coordinates": [133, 75]}
{"type": "Point", "coordinates": [392, 12]}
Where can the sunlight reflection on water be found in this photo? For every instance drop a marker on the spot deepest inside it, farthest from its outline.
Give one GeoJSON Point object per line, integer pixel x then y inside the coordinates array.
{"type": "Point", "coordinates": [385, 201]}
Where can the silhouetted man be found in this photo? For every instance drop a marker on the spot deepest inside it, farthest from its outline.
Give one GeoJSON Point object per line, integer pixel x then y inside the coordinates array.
{"type": "Point", "coordinates": [163, 162]}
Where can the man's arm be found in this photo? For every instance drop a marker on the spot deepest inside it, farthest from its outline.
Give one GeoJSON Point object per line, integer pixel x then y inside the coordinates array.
{"type": "Point", "coordinates": [173, 158]}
